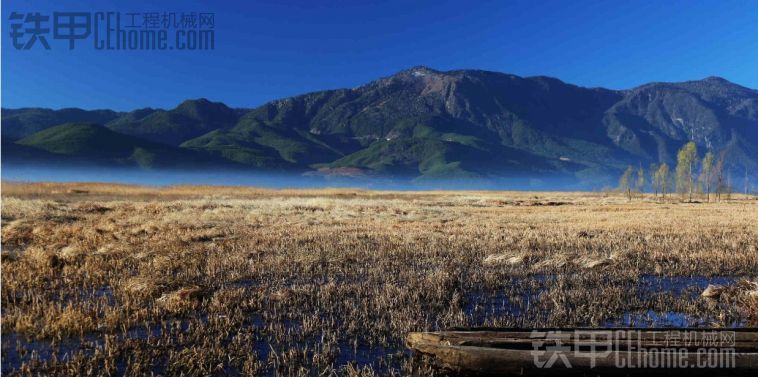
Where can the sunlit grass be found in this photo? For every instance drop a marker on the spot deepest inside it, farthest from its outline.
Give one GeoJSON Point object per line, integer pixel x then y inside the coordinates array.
{"type": "Point", "coordinates": [199, 280]}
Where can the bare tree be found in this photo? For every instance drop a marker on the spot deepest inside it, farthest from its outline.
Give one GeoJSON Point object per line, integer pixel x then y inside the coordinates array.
{"type": "Point", "coordinates": [654, 184]}
{"type": "Point", "coordinates": [640, 183]}
{"type": "Point", "coordinates": [747, 182]}
{"type": "Point", "coordinates": [662, 179]}
{"type": "Point", "coordinates": [706, 174]}
{"type": "Point", "coordinates": [718, 174]}
{"type": "Point", "coordinates": [625, 182]}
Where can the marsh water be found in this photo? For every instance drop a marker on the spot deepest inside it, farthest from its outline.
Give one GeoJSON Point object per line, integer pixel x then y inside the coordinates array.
{"type": "Point", "coordinates": [481, 308]}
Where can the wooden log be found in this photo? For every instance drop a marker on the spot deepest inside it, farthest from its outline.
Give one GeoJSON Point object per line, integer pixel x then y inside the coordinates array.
{"type": "Point", "coordinates": [510, 352]}
{"type": "Point", "coordinates": [747, 340]}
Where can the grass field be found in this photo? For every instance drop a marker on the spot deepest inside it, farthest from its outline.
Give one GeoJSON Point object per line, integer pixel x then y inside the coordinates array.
{"type": "Point", "coordinates": [115, 279]}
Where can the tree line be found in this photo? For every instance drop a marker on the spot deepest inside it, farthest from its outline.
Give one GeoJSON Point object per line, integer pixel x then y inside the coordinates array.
{"type": "Point", "coordinates": [692, 175]}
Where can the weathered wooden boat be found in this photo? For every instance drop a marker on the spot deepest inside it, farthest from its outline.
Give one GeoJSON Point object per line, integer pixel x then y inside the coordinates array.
{"type": "Point", "coordinates": [488, 351]}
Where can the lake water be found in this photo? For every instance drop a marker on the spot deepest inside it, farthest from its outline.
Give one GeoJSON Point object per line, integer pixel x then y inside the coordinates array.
{"type": "Point", "coordinates": [280, 179]}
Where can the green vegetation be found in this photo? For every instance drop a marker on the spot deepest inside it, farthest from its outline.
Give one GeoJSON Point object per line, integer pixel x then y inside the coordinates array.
{"type": "Point", "coordinates": [89, 140]}
{"type": "Point", "coordinates": [97, 144]}
{"type": "Point", "coordinates": [190, 119]}
{"type": "Point", "coordinates": [233, 147]}
{"type": "Point", "coordinates": [19, 123]}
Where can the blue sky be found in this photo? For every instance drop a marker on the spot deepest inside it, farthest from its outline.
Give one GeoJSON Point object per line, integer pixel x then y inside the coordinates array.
{"type": "Point", "coordinates": [272, 49]}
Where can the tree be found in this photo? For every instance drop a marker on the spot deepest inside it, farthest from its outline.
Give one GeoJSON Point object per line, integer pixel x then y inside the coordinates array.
{"type": "Point", "coordinates": [718, 173]}
{"type": "Point", "coordinates": [640, 183]}
{"type": "Point", "coordinates": [625, 183]}
{"type": "Point", "coordinates": [665, 179]}
{"type": "Point", "coordinates": [662, 179]}
{"type": "Point", "coordinates": [654, 184]}
{"type": "Point", "coordinates": [706, 174]}
{"type": "Point", "coordinates": [686, 160]}
{"type": "Point", "coordinates": [747, 182]}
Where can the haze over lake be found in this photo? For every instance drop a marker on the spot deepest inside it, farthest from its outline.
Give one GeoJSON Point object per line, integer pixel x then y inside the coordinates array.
{"type": "Point", "coordinates": [164, 177]}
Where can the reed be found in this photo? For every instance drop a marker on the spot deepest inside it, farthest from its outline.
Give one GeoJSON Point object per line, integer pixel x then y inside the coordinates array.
{"type": "Point", "coordinates": [114, 279]}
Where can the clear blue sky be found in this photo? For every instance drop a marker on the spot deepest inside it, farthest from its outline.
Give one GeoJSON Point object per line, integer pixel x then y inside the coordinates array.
{"type": "Point", "coordinates": [272, 49]}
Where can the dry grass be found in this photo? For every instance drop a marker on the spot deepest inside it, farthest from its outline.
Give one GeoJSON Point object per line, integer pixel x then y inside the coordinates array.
{"type": "Point", "coordinates": [214, 280]}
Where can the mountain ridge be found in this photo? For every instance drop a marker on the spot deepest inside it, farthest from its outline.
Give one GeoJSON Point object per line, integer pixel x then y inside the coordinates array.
{"type": "Point", "coordinates": [428, 124]}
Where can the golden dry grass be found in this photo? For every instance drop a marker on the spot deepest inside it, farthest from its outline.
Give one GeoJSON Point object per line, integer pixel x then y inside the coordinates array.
{"type": "Point", "coordinates": [210, 280]}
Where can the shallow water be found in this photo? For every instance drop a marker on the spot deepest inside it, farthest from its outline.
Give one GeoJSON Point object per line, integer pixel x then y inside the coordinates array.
{"type": "Point", "coordinates": [653, 319]}
{"type": "Point", "coordinates": [479, 307]}
{"type": "Point", "coordinates": [680, 285]}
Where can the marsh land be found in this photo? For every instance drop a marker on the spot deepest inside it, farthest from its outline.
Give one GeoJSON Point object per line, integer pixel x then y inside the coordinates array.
{"type": "Point", "coordinates": [102, 279]}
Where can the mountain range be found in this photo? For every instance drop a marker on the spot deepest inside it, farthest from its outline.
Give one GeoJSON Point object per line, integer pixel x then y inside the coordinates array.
{"type": "Point", "coordinates": [419, 124]}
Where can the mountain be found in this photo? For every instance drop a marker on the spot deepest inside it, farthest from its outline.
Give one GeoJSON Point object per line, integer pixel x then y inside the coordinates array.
{"type": "Point", "coordinates": [426, 124]}
{"type": "Point", "coordinates": [190, 119]}
{"type": "Point", "coordinates": [82, 142]}
{"type": "Point", "coordinates": [654, 120]}
{"type": "Point", "coordinates": [18, 123]}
